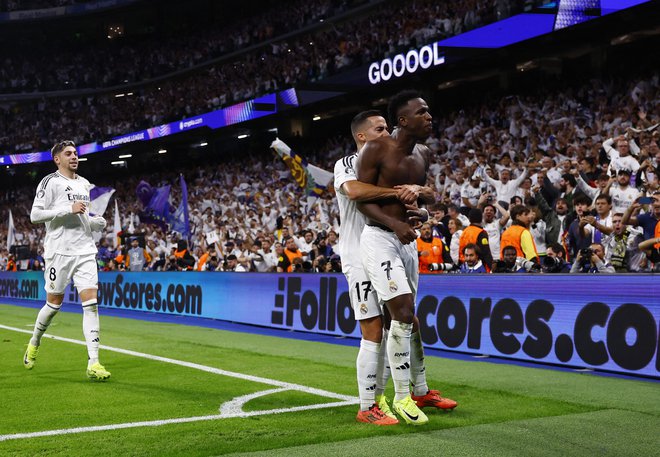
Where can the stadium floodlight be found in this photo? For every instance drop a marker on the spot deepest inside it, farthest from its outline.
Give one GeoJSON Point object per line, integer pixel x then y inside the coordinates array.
{"type": "Point", "coordinates": [242, 136]}
{"type": "Point", "coordinates": [118, 162]}
{"type": "Point", "coordinates": [204, 143]}
{"type": "Point", "coordinates": [162, 151]}
{"type": "Point", "coordinates": [119, 95]}
{"type": "Point", "coordinates": [125, 156]}
{"type": "Point", "coordinates": [82, 159]}
{"type": "Point", "coordinates": [316, 118]}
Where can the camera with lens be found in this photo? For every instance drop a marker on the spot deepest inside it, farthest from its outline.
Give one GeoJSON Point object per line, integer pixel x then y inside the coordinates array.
{"type": "Point", "coordinates": [552, 264]}
{"type": "Point", "coordinates": [527, 265]}
{"type": "Point", "coordinates": [442, 267]}
{"type": "Point", "coordinates": [586, 253]}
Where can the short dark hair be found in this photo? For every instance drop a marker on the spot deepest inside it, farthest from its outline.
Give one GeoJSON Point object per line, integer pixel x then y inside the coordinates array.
{"type": "Point", "coordinates": [605, 197]}
{"type": "Point", "coordinates": [559, 249]}
{"type": "Point", "coordinates": [360, 119]}
{"type": "Point", "coordinates": [475, 216]}
{"type": "Point", "coordinates": [570, 179]}
{"type": "Point", "coordinates": [397, 102]}
{"type": "Point", "coordinates": [517, 210]}
{"type": "Point", "coordinates": [509, 248]}
{"type": "Point", "coordinates": [59, 147]}
{"type": "Point", "coordinates": [581, 199]}
{"type": "Point", "coordinates": [474, 247]}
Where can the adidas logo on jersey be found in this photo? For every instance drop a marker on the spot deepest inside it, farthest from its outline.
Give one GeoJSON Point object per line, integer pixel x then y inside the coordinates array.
{"type": "Point", "coordinates": [68, 189]}
{"type": "Point", "coordinates": [405, 366]}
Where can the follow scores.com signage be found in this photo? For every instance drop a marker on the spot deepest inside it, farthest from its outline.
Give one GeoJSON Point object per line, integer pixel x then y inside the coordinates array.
{"type": "Point", "coordinates": [410, 62]}
{"type": "Point", "coordinates": [607, 322]}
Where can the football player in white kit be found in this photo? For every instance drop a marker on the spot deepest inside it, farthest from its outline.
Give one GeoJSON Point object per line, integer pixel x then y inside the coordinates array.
{"type": "Point", "coordinates": [61, 203]}
{"type": "Point", "coordinates": [389, 251]}
{"type": "Point", "coordinates": [372, 367]}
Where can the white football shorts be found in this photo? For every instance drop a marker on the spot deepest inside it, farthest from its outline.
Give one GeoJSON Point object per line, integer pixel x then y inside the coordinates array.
{"type": "Point", "coordinates": [364, 299]}
{"type": "Point", "coordinates": [62, 268]}
{"type": "Point", "coordinates": [392, 267]}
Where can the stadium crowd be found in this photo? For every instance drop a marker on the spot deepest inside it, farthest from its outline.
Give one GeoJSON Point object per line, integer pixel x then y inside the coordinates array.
{"type": "Point", "coordinates": [570, 174]}
{"type": "Point", "coordinates": [27, 125]}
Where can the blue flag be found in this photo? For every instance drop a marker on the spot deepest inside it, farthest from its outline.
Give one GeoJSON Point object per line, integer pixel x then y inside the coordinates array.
{"type": "Point", "coordinates": [179, 221]}
{"type": "Point", "coordinates": [158, 210]}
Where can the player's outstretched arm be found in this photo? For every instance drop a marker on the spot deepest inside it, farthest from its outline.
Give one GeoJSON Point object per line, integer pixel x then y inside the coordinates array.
{"type": "Point", "coordinates": [363, 192]}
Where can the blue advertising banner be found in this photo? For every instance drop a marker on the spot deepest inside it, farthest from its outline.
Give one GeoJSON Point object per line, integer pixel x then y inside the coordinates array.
{"type": "Point", "coordinates": [606, 322]}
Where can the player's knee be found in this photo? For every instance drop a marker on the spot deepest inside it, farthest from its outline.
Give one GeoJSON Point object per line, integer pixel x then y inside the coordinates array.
{"type": "Point", "coordinates": [372, 329]}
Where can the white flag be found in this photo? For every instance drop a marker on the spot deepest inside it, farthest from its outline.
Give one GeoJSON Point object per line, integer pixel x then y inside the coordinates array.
{"type": "Point", "coordinates": [11, 232]}
{"type": "Point", "coordinates": [117, 227]}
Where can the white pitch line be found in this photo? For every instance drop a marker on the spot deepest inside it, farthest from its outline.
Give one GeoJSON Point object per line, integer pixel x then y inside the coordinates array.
{"type": "Point", "coordinates": [231, 409]}
{"type": "Point", "coordinates": [196, 366]}
{"type": "Point", "coordinates": [181, 420]}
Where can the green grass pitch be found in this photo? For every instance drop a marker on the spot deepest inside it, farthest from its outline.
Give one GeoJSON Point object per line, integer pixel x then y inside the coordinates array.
{"type": "Point", "coordinates": [185, 404]}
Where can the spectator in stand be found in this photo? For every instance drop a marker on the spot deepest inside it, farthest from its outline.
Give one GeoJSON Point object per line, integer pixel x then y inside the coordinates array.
{"type": "Point", "coordinates": [620, 158]}
{"type": "Point", "coordinates": [505, 188]}
{"type": "Point", "coordinates": [137, 258]}
{"type": "Point", "coordinates": [600, 224]}
{"type": "Point", "coordinates": [492, 224]}
{"type": "Point", "coordinates": [577, 237]}
{"type": "Point", "coordinates": [557, 220]}
{"type": "Point", "coordinates": [233, 264]}
{"type": "Point", "coordinates": [455, 230]}
{"type": "Point", "coordinates": [470, 193]}
{"type": "Point", "coordinates": [651, 248]}
{"type": "Point", "coordinates": [622, 193]}
{"type": "Point", "coordinates": [621, 246]}
{"type": "Point", "coordinates": [647, 221]}
{"type": "Point", "coordinates": [472, 262]}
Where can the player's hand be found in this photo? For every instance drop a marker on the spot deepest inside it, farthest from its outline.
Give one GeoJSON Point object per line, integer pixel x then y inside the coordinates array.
{"type": "Point", "coordinates": [407, 193]}
{"type": "Point", "coordinates": [416, 216]}
{"type": "Point", "coordinates": [404, 232]}
{"type": "Point", "coordinates": [78, 208]}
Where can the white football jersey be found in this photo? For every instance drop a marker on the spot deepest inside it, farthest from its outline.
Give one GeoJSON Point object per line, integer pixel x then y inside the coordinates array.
{"type": "Point", "coordinates": [622, 198]}
{"type": "Point", "coordinates": [69, 234]}
{"type": "Point", "coordinates": [352, 220]}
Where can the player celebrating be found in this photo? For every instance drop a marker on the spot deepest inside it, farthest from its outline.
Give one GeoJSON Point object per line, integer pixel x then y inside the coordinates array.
{"type": "Point", "coordinates": [388, 249]}
{"type": "Point", "coordinates": [69, 252]}
{"type": "Point", "coordinates": [366, 126]}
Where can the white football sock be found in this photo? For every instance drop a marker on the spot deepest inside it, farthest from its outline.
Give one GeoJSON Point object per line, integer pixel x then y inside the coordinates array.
{"type": "Point", "coordinates": [91, 329]}
{"type": "Point", "coordinates": [44, 318]}
{"type": "Point", "coordinates": [417, 366]}
{"type": "Point", "coordinates": [398, 352]}
{"type": "Point", "coordinates": [383, 374]}
{"type": "Point", "coordinates": [367, 366]}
